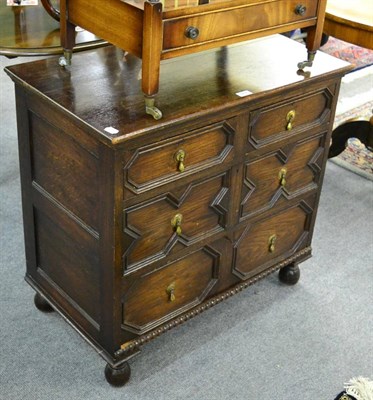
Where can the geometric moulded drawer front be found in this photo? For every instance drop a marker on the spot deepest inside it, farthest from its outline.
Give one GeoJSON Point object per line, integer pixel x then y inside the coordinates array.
{"type": "Point", "coordinates": [158, 296]}
{"type": "Point", "coordinates": [271, 123]}
{"type": "Point", "coordinates": [164, 162]}
{"type": "Point", "coordinates": [281, 175]}
{"type": "Point", "coordinates": [174, 220]}
{"type": "Point", "coordinates": [260, 244]}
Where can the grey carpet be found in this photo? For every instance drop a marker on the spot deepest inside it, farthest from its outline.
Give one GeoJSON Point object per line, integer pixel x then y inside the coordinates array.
{"type": "Point", "coordinates": [270, 342]}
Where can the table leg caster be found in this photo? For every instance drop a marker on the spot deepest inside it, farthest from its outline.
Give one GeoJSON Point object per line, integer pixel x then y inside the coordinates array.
{"type": "Point", "coordinates": [65, 60]}
{"type": "Point", "coordinates": [289, 274]}
{"type": "Point", "coordinates": [41, 304]}
{"type": "Point", "coordinates": [308, 62]}
{"type": "Point", "coordinates": [151, 109]}
{"type": "Point", "coordinates": [118, 376]}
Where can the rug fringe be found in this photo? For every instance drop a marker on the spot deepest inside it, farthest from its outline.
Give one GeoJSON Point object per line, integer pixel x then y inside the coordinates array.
{"type": "Point", "coordinates": [360, 388]}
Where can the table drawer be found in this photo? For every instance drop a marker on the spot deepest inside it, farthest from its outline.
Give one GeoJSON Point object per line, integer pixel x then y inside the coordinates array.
{"type": "Point", "coordinates": [174, 220]}
{"type": "Point", "coordinates": [153, 165]}
{"type": "Point", "coordinates": [158, 296]}
{"type": "Point", "coordinates": [288, 118]}
{"type": "Point", "coordinates": [281, 175]}
{"type": "Point", "coordinates": [218, 25]}
{"type": "Point", "coordinates": [261, 244]}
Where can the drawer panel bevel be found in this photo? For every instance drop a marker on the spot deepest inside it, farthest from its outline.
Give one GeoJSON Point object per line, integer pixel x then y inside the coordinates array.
{"type": "Point", "coordinates": [160, 163]}
{"type": "Point", "coordinates": [267, 241]}
{"type": "Point", "coordinates": [289, 118]}
{"type": "Point", "coordinates": [158, 296]}
{"type": "Point", "coordinates": [149, 233]}
{"type": "Point", "coordinates": [279, 176]}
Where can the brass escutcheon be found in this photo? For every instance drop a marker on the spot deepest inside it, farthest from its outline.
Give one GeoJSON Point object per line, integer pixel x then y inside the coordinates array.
{"type": "Point", "coordinates": [271, 243]}
{"type": "Point", "coordinates": [176, 223]}
{"type": "Point", "coordinates": [290, 116]}
{"type": "Point", "coordinates": [180, 159]}
{"type": "Point", "coordinates": [282, 176]}
{"type": "Point", "coordinates": [171, 292]}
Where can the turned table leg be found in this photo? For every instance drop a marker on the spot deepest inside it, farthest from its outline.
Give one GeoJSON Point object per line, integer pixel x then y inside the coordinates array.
{"type": "Point", "coordinates": [41, 304]}
{"type": "Point", "coordinates": [289, 274]}
{"type": "Point", "coordinates": [67, 33]}
{"type": "Point", "coordinates": [118, 376]}
{"type": "Point", "coordinates": [314, 33]}
{"type": "Point", "coordinates": [151, 55]}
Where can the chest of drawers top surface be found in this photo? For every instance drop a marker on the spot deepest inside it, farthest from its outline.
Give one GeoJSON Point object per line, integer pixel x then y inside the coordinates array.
{"type": "Point", "coordinates": [102, 87]}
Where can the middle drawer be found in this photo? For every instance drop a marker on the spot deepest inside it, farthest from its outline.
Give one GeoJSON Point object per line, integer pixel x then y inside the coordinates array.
{"type": "Point", "coordinates": [174, 220]}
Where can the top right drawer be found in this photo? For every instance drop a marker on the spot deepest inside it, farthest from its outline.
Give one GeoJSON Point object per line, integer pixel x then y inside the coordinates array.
{"type": "Point", "coordinates": [289, 117]}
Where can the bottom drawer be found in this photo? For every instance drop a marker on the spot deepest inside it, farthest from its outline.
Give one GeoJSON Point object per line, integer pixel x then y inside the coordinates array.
{"type": "Point", "coordinates": [158, 296]}
{"type": "Point", "coordinates": [263, 243]}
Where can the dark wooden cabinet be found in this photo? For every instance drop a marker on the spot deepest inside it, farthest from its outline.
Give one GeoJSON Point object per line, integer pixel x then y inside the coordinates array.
{"type": "Point", "coordinates": [133, 226]}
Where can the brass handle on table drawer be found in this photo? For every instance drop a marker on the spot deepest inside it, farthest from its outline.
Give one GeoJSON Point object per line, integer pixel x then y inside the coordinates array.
{"type": "Point", "coordinates": [171, 292]}
{"type": "Point", "coordinates": [282, 176]}
{"type": "Point", "coordinates": [271, 243]}
{"type": "Point", "coordinates": [290, 117]}
{"type": "Point", "coordinates": [176, 223]}
{"type": "Point", "coordinates": [191, 32]}
{"type": "Point", "coordinates": [180, 158]}
{"type": "Point", "coordinates": [300, 9]}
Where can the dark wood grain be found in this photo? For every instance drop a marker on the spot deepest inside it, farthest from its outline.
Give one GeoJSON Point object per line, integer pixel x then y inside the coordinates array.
{"type": "Point", "coordinates": [98, 208]}
{"type": "Point", "coordinates": [149, 234]}
{"type": "Point", "coordinates": [301, 163]}
{"type": "Point", "coordinates": [110, 94]}
{"type": "Point", "coordinates": [192, 278]}
{"type": "Point", "coordinates": [252, 246]}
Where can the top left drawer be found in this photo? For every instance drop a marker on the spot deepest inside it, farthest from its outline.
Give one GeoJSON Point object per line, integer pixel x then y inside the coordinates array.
{"type": "Point", "coordinates": [150, 166]}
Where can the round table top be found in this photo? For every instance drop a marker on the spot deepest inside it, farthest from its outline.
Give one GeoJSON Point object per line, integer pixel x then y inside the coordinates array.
{"type": "Point", "coordinates": [31, 31]}
{"type": "Point", "coordinates": [359, 12]}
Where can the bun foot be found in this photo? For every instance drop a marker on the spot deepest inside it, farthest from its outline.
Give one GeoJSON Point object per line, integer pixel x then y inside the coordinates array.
{"type": "Point", "coordinates": [289, 274]}
{"type": "Point", "coordinates": [41, 304]}
{"type": "Point", "coordinates": [118, 376]}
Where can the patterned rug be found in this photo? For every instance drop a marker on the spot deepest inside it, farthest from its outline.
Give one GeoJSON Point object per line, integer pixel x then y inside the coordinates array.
{"type": "Point", "coordinates": [356, 158]}
{"type": "Point", "coordinates": [356, 55]}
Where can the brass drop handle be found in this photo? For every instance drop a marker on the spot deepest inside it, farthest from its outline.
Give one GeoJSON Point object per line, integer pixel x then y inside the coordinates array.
{"type": "Point", "coordinates": [176, 223]}
{"type": "Point", "coordinates": [271, 243]}
{"type": "Point", "coordinates": [289, 120]}
{"type": "Point", "coordinates": [180, 159]}
{"type": "Point", "coordinates": [171, 292]}
{"type": "Point", "coordinates": [300, 9]}
{"type": "Point", "coordinates": [282, 176]}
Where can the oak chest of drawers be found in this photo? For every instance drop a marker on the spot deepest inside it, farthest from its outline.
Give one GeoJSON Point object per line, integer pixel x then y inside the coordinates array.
{"type": "Point", "coordinates": [133, 226]}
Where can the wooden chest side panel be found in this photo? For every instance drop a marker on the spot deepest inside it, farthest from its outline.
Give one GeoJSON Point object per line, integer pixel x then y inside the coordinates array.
{"type": "Point", "coordinates": [64, 170]}
{"type": "Point", "coordinates": [67, 258]}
